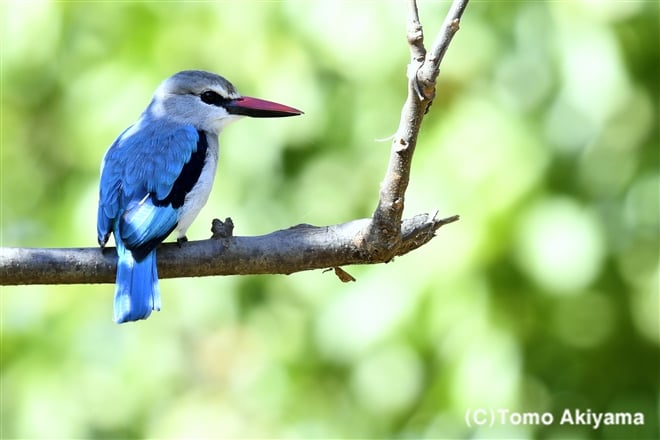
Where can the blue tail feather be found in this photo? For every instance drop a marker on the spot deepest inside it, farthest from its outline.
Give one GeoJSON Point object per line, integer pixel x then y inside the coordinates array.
{"type": "Point", "coordinates": [137, 292]}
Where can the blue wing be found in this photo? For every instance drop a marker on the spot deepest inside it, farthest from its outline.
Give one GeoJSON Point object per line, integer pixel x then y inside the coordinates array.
{"type": "Point", "coordinates": [145, 176]}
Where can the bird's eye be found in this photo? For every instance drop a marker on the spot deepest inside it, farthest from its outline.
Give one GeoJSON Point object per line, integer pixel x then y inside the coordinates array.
{"type": "Point", "coordinates": [210, 97]}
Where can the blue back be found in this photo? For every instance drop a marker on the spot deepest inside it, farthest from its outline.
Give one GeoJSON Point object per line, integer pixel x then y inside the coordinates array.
{"type": "Point", "coordinates": [146, 173]}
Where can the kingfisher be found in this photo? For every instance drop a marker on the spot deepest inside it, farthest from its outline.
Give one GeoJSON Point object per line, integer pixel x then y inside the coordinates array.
{"type": "Point", "coordinates": [157, 175]}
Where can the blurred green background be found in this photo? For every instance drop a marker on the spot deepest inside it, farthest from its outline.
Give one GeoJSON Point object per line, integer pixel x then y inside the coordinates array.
{"type": "Point", "coordinates": [543, 137]}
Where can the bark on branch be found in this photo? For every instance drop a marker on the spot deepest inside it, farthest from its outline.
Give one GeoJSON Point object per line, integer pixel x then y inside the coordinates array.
{"type": "Point", "coordinates": [384, 232]}
{"type": "Point", "coordinates": [298, 248]}
{"type": "Point", "coordinates": [302, 247]}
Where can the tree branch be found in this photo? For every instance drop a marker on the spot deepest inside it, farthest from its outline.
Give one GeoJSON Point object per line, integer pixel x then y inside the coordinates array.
{"type": "Point", "coordinates": [302, 247]}
{"type": "Point", "coordinates": [298, 248]}
{"type": "Point", "coordinates": [384, 233]}
{"type": "Point", "coordinates": [428, 73]}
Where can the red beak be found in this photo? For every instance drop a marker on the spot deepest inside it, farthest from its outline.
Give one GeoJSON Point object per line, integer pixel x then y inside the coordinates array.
{"type": "Point", "coordinates": [260, 108]}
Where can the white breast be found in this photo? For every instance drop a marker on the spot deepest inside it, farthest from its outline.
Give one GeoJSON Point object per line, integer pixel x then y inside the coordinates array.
{"type": "Point", "coordinates": [197, 197]}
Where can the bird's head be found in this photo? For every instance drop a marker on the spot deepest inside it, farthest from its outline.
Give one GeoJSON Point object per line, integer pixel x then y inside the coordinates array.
{"type": "Point", "coordinates": [210, 102]}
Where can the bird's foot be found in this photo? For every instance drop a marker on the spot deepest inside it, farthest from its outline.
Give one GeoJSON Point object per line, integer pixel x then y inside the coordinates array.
{"type": "Point", "coordinates": [222, 229]}
{"type": "Point", "coordinates": [181, 240]}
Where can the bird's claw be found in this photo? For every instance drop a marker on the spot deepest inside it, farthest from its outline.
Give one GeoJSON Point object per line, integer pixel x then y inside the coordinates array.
{"type": "Point", "coordinates": [181, 240]}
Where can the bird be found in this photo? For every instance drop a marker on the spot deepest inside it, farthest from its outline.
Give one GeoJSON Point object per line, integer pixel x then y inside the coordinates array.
{"type": "Point", "coordinates": [157, 175]}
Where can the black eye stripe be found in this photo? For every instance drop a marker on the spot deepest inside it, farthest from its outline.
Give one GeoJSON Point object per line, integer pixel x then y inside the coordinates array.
{"type": "Point", "coordinates": [212, 98]}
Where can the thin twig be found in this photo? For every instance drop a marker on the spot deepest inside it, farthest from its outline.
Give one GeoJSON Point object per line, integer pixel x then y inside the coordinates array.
{"type": "Point", "coordinates": [415, 33]}
{"type": "Point", "coordinates": [429, 72]}
{"type": "Point", "coordinates": [384, 233]}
